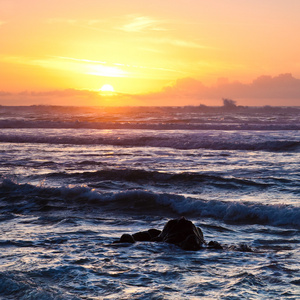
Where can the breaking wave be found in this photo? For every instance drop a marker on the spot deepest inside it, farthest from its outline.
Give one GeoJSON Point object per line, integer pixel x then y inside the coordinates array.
{"type": "Point", "coordinates": [21, 198]}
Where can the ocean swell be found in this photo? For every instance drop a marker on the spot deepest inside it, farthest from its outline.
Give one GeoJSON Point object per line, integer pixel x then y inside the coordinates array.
{"type": "Point", "coordinates": [27, 198]}
{"type": "Point", "coordinates": [181, 140]}
{"type": "Point", "coordinates": [168, 179]}
{"type": "Point", "coordinates": [173, 125]}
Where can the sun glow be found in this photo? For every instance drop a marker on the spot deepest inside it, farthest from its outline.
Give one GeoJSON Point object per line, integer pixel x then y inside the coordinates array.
{"type": "Point", "coordinates": [107, 88]}
{"type": "Point", "coordinates": [150, 54]}
{"type": "Point", "coordinates": [107, 71]}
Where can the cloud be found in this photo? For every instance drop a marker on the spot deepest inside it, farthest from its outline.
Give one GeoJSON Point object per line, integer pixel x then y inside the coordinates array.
{"type": "Point", "coordinates": [145, 24]}
{"type": "Point", "coordinates": [4, 94]}
{"type": "Point", "coordinates": [283, 86]}
{"type": "Point", "coordinates": [54, 97]}
{"type": "Point", "coordinates": [179, 43]}
{"type": "Point", "coordinates": [67, 97]}
{"type": "Point", "coordinates": [142, 23]}
{"type": "Point", "coordinates": [61, 93]}
{"type": "Point", "coordinates": [95, 67]}
{"type": "Point", "coordinates": [283, 89]}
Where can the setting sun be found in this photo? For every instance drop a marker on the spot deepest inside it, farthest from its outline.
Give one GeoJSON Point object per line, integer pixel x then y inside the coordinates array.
{"type": "Point", "coordinates": [118, 116]}
{"type": "Point", "coordinates": [157, 53]}
{"type": "Point", "coordinates": [107, 88]}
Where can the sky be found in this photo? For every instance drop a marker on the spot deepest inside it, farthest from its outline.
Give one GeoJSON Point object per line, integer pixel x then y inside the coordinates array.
{"type": "Point", "coordinates": [141, 52]}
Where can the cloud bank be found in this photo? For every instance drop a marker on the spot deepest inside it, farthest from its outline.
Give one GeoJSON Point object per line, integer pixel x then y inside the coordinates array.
{"type": "Point", "coordinates": [281, 90]}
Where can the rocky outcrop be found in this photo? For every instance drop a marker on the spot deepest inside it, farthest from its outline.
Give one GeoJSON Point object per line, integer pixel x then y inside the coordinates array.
{"type": "Point", "coordinates": [180, 232]}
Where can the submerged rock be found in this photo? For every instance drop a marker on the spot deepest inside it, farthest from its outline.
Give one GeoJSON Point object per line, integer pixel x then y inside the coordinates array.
{"type": "Point", "coordinates": [241, 247]}
{"type": "Point", "coordinates": [215, 245]}
{"type": "Point", "coordinates": [142, 236]}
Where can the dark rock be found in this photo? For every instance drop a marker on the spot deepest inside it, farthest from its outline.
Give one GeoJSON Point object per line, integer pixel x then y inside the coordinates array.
{"type": "Point", "coordinates": [154, 233]}
{"type": "Point", "coordinates": [244, 248]}
{"type": "Point", "coordinates": [191, 243]}
{"type": "Point", "coordinates": [241, 247]}
{"type": "Point", "coordinates": [214, 245]}
{"type": "Point", "coordinates": [142, 236]}
{"type": "Point", "coordinates": [180, 232]}
{"type": "Point", "coordinates": [127, 238]}
{"type": "Point", "coordinates": [146, 236]}
{"type": "Point", "coordinates": [183, 233]}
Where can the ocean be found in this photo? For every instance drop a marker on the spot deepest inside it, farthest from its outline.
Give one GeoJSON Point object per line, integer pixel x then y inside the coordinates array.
{"type": "Point", "coordinates": [74, 179]}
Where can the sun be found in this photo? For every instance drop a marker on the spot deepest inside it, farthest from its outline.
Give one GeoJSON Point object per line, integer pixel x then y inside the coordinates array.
{"type": "Point", "coordinates": [107, 88]}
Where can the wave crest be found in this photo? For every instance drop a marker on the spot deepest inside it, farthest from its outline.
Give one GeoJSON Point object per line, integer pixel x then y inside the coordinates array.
{"type": "Point", "coordinates": [35, 198]}
{"type": "Point", "coordinates": [183, 140]}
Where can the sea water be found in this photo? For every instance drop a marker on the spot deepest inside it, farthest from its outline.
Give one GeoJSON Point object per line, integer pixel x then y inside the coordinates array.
{"type": "Point", "coordinates": [73, 180]}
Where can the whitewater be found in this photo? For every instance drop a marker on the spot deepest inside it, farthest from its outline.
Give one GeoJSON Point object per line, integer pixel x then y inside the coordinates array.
{"type": "Point", "coordinates": [74, 179]}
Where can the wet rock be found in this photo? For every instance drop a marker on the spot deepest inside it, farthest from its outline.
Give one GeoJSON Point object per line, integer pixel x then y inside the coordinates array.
{"type": "Point", "coordinates": [191, 243]}
{"type": "Point", "coordinates": [214, 245]}
{"type": "Point", "coordinates": [244, 248]}
{"type": "Point", "coordinates": [127, 238]}
{"type": "Point", "coordinates": [180, 232]}
{"type": "Point", "coordinates": [142, 236]}
{"type": "Point", "coordinates": [146, 236]}
{"type": "Point", "coordinates": [241, 247]}
{"type": "Point", "coordinates": [183, 233]}
{"type": "Point", "coordinates": [154, 233]}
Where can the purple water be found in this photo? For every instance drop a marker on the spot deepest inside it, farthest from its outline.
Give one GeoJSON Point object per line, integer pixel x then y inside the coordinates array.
{"type": "Point", "coordinates": [73, 180]}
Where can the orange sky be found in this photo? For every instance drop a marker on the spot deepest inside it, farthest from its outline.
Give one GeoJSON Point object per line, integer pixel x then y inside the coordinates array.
{"type": "Point", "coordinates": [63, 52]}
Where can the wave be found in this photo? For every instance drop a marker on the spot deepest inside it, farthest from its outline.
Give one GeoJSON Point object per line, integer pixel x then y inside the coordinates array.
{"type": "Point", "coordinates": [22, 198]}
{"type": "Point", "coordinates": [144, 177]}
{"type": "Point", "coordinates": [22, 285]}
{"type": "Point", "coordinates": [170, 125]}
{"type": "Point", "coordinates": [182, 140]}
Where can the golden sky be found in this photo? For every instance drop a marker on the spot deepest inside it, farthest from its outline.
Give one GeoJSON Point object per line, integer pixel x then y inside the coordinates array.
{"type": "Point", "coordinates": [177, 52]}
